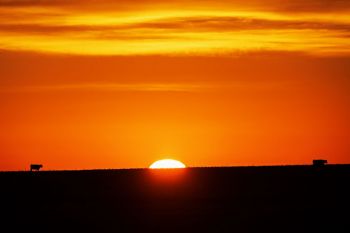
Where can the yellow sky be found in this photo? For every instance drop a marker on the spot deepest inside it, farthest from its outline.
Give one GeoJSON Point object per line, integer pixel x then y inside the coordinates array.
{"type": "Point", "coordinates": [154, 27]}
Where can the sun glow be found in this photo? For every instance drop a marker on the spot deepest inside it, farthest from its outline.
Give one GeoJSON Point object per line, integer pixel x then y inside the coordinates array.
{"type": "Point", "coordinates": [166, 164]}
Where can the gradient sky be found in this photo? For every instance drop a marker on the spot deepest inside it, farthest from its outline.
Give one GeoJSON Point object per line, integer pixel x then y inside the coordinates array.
{"type": "Point", "coordinates": [120, 84]}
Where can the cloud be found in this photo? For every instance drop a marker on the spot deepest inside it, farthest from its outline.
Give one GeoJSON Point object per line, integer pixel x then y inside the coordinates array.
{"type": "Point", "coordinates": [138, 87]}
{"type": "Point", "coordinates": [185, 87]}
{"type": "Point", "coordinates": [192, 24]}
{"type": "Point", "coordinates": [52, 27]}
{"type": "Point", "coordinates": [292, 6]}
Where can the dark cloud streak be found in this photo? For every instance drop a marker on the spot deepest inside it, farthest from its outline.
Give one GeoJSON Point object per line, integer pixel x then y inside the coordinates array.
{"type": "Point", "coordinates": [193, 24]}
{"type": "Point", "coordinates": [292, 6]}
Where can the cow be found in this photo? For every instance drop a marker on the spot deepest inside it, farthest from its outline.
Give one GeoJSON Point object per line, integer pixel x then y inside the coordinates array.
{"type": "Point", "coordinates": [35, 167]}
{"type": "Point", "coordinates": [319, 162]}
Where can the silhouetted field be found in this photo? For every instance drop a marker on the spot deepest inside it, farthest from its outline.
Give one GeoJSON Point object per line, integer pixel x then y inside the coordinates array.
{"type": "Point", "coordinates": [237, 199]}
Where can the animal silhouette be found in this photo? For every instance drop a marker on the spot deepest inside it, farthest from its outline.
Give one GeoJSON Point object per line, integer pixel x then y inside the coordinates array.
{"type": "Point", "coordinates": [319, 162]}
{"type": "Point", "coordinates": [35, 167]}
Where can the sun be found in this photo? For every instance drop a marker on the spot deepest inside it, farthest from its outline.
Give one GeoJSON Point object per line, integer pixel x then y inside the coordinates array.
{"type": "Point", "coordinates": [166, 164]}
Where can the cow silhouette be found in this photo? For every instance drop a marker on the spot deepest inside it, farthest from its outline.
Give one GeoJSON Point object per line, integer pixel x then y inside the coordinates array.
{"type": "Point", "coordinates": [35, 167]}
{"type": "Point", "coordinates": [319, 162]}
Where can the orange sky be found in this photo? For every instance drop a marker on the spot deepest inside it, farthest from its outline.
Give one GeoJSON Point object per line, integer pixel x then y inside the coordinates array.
{"type": "Point", "coordinates": [119, 84]}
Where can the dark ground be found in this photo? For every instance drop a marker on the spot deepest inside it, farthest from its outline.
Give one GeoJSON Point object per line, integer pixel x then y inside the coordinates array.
{"type": "Point", "coordinates": [238, 199]}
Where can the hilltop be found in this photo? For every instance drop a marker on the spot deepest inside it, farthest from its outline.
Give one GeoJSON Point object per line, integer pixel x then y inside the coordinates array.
{"type": "Point", "coordinates": [231, 199]}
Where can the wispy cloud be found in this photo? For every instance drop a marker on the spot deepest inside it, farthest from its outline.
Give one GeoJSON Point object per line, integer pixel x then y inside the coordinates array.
{"type": "Point", "coordinates": [64, 27]}
{"type": "Point", "coordinates": [119, 87]}
{"type": "Point", "coordinates": [192, 24]}
{"type": "Point", "coordinates": [149, 87]}
{"type": "Point", "coordinates": [272, 5]}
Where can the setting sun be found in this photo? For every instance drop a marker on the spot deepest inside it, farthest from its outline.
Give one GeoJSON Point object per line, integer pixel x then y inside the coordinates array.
{"type": "Point", "coordinates": [167, 163]}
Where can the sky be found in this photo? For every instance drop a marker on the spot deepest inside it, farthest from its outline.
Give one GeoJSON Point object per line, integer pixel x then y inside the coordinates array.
{"type": "Point", "coordinates": [120, 84]}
